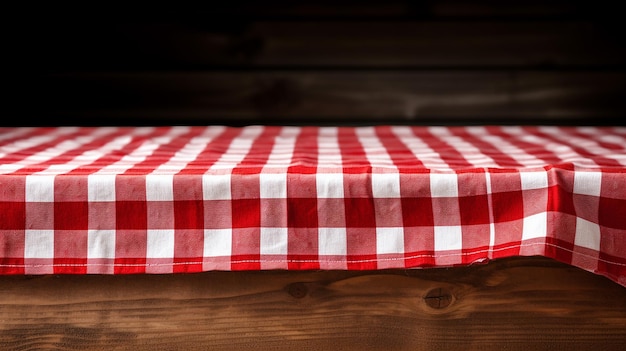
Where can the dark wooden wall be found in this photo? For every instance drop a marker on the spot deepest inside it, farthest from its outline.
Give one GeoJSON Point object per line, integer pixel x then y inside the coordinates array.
{"type": "Point", "coordinates": [317, 62]}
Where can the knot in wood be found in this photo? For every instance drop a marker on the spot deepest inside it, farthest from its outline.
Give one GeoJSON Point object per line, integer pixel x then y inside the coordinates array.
{"type": "Point", "coordinates": [438, 298]}
{"type": "Point", "coordinates": [297, 290]}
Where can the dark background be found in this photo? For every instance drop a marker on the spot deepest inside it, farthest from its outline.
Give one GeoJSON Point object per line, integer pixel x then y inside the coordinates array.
{"type": "Point", "coordinates": [439, 62]}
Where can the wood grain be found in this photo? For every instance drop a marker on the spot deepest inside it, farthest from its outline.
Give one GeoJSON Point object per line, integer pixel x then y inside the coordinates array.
{"type": "Point", "coordinates": [301, 97]}
{"type": "Point", "coordinates": [175, 45]}
{"type": "Point", "coordinates": [328, 9]}
{"type": "Point", "coordinates": [317, 62]}
{"type": "Point", "coordinates": [514, 304]}
{"type": "Point", "coordinates": [433, 33]}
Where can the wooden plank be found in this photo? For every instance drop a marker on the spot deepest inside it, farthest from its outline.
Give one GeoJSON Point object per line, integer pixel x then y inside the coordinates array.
{"type": "Point", "coordinates": [513, 304]}
{"type": "Point", "coordinates": [346, 9]}
{"type": "Point", "coordinates": [433, 44]}
{"type": "Point", "coordinates": [172, 45]}
{"type": "Point", "coordinates": [296, 97]}
{"type": "Point", "coordinates": [353, 33]}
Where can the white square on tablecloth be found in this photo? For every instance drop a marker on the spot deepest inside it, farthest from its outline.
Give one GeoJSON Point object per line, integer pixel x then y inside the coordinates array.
{"type": "Point", "coordinates": [535, 226]}
{"type": "Point", "coordinates": [101, 243]}
{"type": "Point", "coordinates": [218, 242]}
{"type": "Point", "coordinates": [216, 187]}
{"type": "Point", "coordinates": [39, 188]}
{"type": "Point", "coordinates": [386, 185]}
{"type": "Point", "coordinates": [39, 244]}
{"type": "Point", "coordinates": [273, 185]}
{"type": "Point", "coordinates": [587, 234]}
{"type": "Point", "coordinates": [587, 183]}
{"type": "Point", "coordinates": [329, 185]}
{"type": "Point", "coordinates": [332, 241]}
{"type": "Point", "coordinates": [160, 243]}
{"type": "Point", "coordinates": [100, 188]}
{"type": "Point", "coordinates": [274, 241]}
{"type": "Point", "coordinates": [444, 185]}
{"type": "Point", "coordinates": [534, 180]}
{"type": "Point", "coordinates": [448, 238]}
{"type": "Point", "coordinates": [390, 240]}
{"type": "Point", "coordinates": [160, 187]}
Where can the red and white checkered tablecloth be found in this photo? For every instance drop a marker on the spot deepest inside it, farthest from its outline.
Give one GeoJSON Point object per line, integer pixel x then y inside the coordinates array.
{"type": "Point", "coordinates": [115, 200]}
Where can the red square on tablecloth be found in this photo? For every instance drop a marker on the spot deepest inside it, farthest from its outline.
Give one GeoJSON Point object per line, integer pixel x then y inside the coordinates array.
{"type": "Point", "coordinates": [417, 211]}
{"type": "Point", "coordinates": [560, 200]}
{"type": "Point", "coordinates": [301, 185]}
{"type": "Point", "coordinates": [70, 188]}
{"type": "Point", "coordinates": [612, 213]}
{"type": "Point", "coordinates": [361, 241]}
{"type": "Point", "coordinates": [102, 215]}
{"type": "Point", "coordinates": [15, 192]}
{"type": "Point", "coordinates": [160, 214]}
{"type": "Point", "coordinates": [331, 213]}
{"type": "Point", "coordinates": [131, 244]}
{"type": "Point", "coordinates": [71, 216]}
{"type": "Point", "coordinates": [129, 188]}
{"type": "Point", "coordinates": [388, 212]}
{"type": "Point", "coordinates": [188, 214]}
{"type": "Point", "coordinates": [246, 213]}
{"type": "Point", "coordinates": [612, 241]}
{"type": "Point", "coordinates": [303, 241]}
{"type": "Point", "coordinates": [187, 188]}
{"type": "Point", "coordinates": [188, 244]}
{"type": "Point", "coordinates": [274, 213]}
{"type": "Point", "coordinates": [474, 209]}
{"type": "Point", "coordinates": [535, 201]}
{"type": "Point", "coordinates": [302, 213]}
{"type": "Point", "coordinates": [246, 241]}
{"type": "Point", "coordinates": [360, 213]}
{"type": "Point", "coordinates": [13, 215]}
{"type": "Point", "coordinates": [218, 214]}
{"type": "Point", "coordinates": [507, 206]}
{"type": "Point", "coordinates": [131, 215]}
{"type": "Point", "coordinates": [12, 243]}
{"type": "Point", "coordinates": [446, 211]}
{"type": "Point", "coordinates": [70, 243]}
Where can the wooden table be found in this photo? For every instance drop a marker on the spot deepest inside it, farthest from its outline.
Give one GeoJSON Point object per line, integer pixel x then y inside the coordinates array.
{"type": "Point", "coordinates": [531, 303]}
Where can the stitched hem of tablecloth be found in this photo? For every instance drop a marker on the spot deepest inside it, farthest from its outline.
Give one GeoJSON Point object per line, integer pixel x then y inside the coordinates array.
{"type": "Point", "coordinates": [383, 259]}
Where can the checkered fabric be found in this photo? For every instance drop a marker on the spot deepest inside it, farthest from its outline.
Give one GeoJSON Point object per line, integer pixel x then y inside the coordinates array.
{"type": "Point", "coordinates": [115, 200]}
